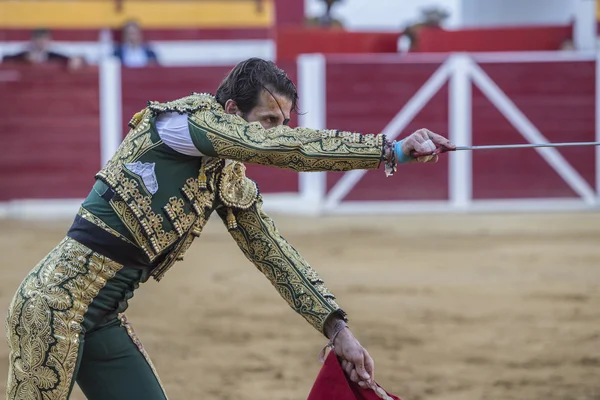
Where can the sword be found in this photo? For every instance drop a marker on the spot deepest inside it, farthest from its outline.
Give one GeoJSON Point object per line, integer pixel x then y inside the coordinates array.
{"type": "Point", "coordinates": [444, 149]}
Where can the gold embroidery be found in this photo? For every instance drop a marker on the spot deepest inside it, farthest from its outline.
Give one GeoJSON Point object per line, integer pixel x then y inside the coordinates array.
{"type": "Point", "coordinates": [135, 210]}
{"type": "Point", "coordinates": [134, 227]}
{"type": "Point", "coordinates": [175, 211]}
{"type": "Point", "coordinates": [137, 142]}
{"type": "Point", "coordinates": [136, 340]}
{"type": "Point", "coordinates": [179, 251]}
{"type": "Point", "coordinates": [141, 207]}
{"type": "Point", "coordinates": [293, 278]}
{"type": "Point", "coordinates": [45, 317]}
{"type": "Point", "coordinates": [235, 189]}
{"type": "Point", "coordinates": [199, 198]}
{"type": "Point", "coordinates": [299, 149]}
{"type": "Point", "coordinates": [185, 105]}
{"type": "Point", "coordinates": [85, 214]}
{"type": "Point", "coordinates": [202, 201]}
{"type": "Point", "coordinates": [202, 177]}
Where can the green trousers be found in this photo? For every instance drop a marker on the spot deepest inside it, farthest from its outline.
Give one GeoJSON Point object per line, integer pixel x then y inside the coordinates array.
{"type": "Point", "coordinates": [113, 367]}
{"type": "Point", "coordinates": [66, 324]}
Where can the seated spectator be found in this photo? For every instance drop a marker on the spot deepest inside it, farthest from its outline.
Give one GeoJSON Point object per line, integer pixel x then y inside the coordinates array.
{"type": "Point", "coordinates": [567, 45]}
{"type": "Point", "coordinates": [38, 52]}
{"type": "Point", "coordinates": [133, 51]}
{"type": "Point", "coordinates": [432, 17]}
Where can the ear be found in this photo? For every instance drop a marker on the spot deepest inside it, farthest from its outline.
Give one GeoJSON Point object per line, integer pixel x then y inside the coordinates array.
{"type": "Point", "coordinates": [232, 108]}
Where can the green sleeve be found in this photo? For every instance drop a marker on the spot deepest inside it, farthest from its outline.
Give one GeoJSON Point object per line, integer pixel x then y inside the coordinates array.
{"type": "Point", "coordinates": [218, 134]}
{"type": "Point", "coordinates": [295, 280]}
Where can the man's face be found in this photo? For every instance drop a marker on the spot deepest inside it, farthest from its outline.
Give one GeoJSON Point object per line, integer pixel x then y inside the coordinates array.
{"type": "Point", "coordinates": [132, 35]}
{"type": "Point", "coordinates": [267, 111]}
{"type": "Point", "coordinates": [41, 42]}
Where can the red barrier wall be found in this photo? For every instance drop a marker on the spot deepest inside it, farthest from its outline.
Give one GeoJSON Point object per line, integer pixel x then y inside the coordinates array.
{"type": "Point", "coordinates": [364, 98]}
{"type": "Point", "coordinates": [534, 38]}
{"type": "Point", "coordinates": [164, 84]}
{"type": "Point", "coordinates": [559, 99]}
{"type": "Point", "coordinates": [49, 130]}
{"type": "Point", "coordinates": [294, 41]}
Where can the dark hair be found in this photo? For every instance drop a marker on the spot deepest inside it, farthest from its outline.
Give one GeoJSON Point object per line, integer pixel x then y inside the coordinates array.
{"type": "Point", "coordinates": [130, 23]}
{"type": "Point", "coordinates": [40, 32]}
{"type": "Point", "coordinates": [244, 83]}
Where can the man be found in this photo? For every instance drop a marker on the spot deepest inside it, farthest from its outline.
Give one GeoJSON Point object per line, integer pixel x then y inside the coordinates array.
{"type": "Point", "coordinates": [38, 52]}
{"type": "Point", "coordinates": [181, 161]}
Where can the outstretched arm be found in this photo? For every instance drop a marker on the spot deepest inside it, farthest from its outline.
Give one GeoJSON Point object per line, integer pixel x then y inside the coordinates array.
{"type": "Point", "coordinates": [218, 134]}
{"type": "Point", "coordinates": [210, 131]}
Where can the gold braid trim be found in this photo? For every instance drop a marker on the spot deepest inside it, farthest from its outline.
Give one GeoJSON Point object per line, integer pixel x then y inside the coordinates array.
{"type": "Point", "coordinates": [45, 317]}
{"type": "Point", "coordinates": [294, 279]}
{"type": "Point", "coordinates": [136, 340]}
{"type": "Point", "coordinates": [299, 149]}
{"type": "Point", "coordinates": [88, 216]}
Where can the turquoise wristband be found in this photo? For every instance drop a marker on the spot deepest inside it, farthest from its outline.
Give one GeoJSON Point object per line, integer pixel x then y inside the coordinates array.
{"type": "Point", "coordinates": [402, 158]}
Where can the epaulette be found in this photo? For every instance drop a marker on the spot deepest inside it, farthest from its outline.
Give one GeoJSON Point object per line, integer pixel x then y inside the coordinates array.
{"type": "Point", "coordinates": [236, 190]}
{"type": "Point", "coordinates": [185, 105]}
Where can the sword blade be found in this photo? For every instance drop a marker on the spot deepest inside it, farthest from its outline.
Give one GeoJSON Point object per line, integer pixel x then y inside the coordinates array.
{"type": "Point", "coordinates": [526, 146]}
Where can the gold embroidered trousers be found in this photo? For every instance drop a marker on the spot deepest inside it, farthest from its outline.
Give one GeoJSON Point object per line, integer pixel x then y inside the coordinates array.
{"type": "Point", "coordinates": [66, 324]}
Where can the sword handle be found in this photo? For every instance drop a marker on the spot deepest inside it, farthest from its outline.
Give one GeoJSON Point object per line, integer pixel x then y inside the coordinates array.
{"type": "Point", "coordinates": [439, 150]}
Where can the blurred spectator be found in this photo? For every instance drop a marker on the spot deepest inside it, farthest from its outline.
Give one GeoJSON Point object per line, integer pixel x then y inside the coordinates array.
{"type": "Point", "coordinates": [432, 17]}
{"type": "Point", "coordinates": [326, 20]}
{"type": "Point", "coordinates": [133, 51]}
{"type": "Point", "coordinates": [38, 52]}
{"type": "Point", "coordinates": [567, 45]}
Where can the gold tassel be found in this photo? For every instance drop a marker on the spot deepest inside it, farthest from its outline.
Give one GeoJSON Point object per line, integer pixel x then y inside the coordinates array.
{"type": "Point", "coordinates": [136, 119]}
{"type": "Point", "coordinates": [231, 222]}
{"type": "Point", "coordinates": [202, 177]}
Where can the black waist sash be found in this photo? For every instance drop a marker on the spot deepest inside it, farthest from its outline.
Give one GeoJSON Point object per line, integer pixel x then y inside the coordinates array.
{"type": "Point", "coordinates": [107, 244]}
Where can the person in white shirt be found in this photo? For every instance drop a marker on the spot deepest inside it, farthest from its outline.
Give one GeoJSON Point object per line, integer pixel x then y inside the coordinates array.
{"type": "Point", "coordinates": [133, 51]}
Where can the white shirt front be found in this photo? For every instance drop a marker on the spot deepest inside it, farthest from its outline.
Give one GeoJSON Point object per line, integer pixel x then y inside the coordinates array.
{"type": "Point", "coordinates": [173, 130]}
{"type": "Point", "coordinates": [134, 56]}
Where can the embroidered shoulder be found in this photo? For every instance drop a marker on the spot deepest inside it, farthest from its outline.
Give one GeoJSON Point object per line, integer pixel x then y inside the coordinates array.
{"type": "Point", "coordinates": [185, 105]}
{"type": "Point", "coordinates": [235, 189]}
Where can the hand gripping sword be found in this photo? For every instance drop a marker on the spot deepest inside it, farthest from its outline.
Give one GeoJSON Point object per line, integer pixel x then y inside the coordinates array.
{"type": "Point", "coordinates": [444, 149]}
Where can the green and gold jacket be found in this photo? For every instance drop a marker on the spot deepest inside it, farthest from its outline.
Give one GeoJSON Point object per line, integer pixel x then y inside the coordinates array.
{"type": "Point", "coordinates": [157, 200]}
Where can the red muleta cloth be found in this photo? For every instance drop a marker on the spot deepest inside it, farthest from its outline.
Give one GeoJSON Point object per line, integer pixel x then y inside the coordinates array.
{"type": "Point", "coordinates": [332, 384]}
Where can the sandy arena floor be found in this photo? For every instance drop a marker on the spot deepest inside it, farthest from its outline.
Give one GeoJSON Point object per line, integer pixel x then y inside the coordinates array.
{"type": "Point", "coordinates": [458, 308]}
